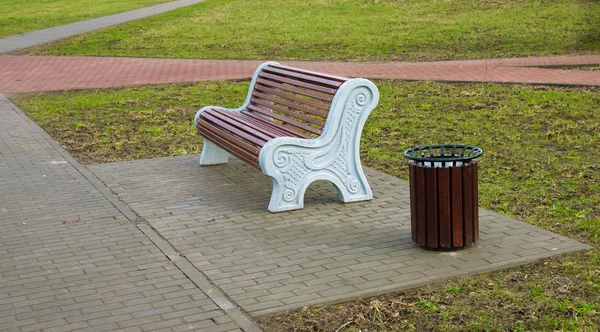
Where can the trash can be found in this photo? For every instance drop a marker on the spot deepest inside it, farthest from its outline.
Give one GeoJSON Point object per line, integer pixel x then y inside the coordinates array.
{"type": "Point", "coordinates": [443, 195]}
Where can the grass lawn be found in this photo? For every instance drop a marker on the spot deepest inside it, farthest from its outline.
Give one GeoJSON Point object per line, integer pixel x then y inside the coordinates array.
{"type": "Point", "coordinates": [350, 30]}
{"type": "Point", "coordinates": [19, 16]}
{"type": "Point", "coordinates": [540, 166]}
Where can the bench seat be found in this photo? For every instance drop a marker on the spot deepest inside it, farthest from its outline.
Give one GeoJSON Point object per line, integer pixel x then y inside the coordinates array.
{"type": "Point", "coordinates": [242, 134]}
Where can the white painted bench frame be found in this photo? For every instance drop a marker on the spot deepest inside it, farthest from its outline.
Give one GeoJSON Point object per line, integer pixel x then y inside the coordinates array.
{"type": "Point", "coordinates": [294, 163]}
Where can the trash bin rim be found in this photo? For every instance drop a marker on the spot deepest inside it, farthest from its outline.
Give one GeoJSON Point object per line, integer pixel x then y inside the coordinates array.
{"type": "Point", "coordinates": [426, 153]}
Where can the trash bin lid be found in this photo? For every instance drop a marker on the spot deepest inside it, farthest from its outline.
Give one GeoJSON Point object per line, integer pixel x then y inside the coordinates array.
{"type": "Point", "coordinates": [441, 154]}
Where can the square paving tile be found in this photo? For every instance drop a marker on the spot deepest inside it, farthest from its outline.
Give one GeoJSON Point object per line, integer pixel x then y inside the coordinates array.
{"type": "Point", "coordinates": [327, 252]}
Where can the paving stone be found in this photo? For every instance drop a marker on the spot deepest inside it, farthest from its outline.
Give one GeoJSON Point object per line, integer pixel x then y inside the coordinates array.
{"type": "Point", "coordinates": [326, 252]}
{"type": "Point", "coordinates": [96, 273]}
{"type": "Point", "coordinates": [43, 73]}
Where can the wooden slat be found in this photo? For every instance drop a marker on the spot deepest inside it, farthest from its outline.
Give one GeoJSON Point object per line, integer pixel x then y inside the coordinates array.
{"type": "Point", "coordinates": [421, 207]}
{"type": "Point", "coordinates": [468, 203]}
{"type": "Point", "coordinates": [298, 83]}
{"type": "Point", "coordinates": [312, 94]}
{"type": "Point", "coordinates": [276, 128]}
{"type": "Point", "coordinates": [291, 113]}
{"type": "Point", "coordinates": [206, 127]}
{"type": "Point", "coordinates": [294, 106]}
{"type": "Point", "coordinates": [240, 131]}
{"type": "Point", "coordinates": [413, 200]}
{"type": "Point", "coordinates": [240, 149]}
{"type": "Point", "coordinates": [297, 103]}
{"type": "Point", "coordinates": [312, 73]}
{"type": "Point", "coordinates": [226, 146]}
{"type": "Point", "coordinates": [303, 77]}
{"type": "Point", "coordinates": [285, 119]}
{"type": "Point", "coordinates": [299, 100]}
{"type": "Point", "coordinates": [432, 207]}
{"type": "Point", "coordinates": [443, 175]}
{"type": "Point", "coordinates": [234, 117]}
{"type": "Point", "coordinates": [457, 203]}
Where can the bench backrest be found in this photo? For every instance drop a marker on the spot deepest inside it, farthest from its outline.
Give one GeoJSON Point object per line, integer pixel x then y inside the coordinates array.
{"type": "Point", "coordinates": [296, 99]}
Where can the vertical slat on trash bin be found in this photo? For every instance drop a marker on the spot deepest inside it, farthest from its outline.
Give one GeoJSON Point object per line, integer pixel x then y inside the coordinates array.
{"type": "Point", "coordinates": [457, 212]}
{"type": "Point", "coordinates": [432, 207]}
{"type": "Point", "coordinates": [475, 202]}
{"type": "Point", "coordinates": [421, 206]}
{"type": "Point", "coordinates": [413, 199]}
{"type": "Point", "coordinates": [444, 207]}
{"type": "Point", "coordinates": [468, 203]}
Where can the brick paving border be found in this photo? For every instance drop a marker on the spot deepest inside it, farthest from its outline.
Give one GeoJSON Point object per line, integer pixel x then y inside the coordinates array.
{"type": "Point", "coordinates": [48, 73]}
{"type": "Point", "coordinates": [327, 252]}
{"type": "Point", "coordinates": [72, 260]}
{"type": "Point", "coordinates": [29, 39]}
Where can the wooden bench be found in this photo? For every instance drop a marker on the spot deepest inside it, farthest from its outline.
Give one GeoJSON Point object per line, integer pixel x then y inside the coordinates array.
{"type": "Point", "coordinates": [297, 127]}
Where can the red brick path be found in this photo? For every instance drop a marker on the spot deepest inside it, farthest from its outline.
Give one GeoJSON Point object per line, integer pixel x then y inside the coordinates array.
{"type": "Point", "coordinates": [37, 73]}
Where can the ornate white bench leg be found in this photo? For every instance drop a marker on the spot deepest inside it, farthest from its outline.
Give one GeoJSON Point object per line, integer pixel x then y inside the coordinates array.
{"type": "Point", "coordinates": [289, 195]}
{"type": "Point", "coordinates": [212, 154]}
{"type": "Point", "coordinates": [286, 197]}
{"type": "Point", "coordinates": [294, 163]}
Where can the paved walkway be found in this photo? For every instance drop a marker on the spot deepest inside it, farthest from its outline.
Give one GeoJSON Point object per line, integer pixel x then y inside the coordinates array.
{"type": "Point", "coordinates": [73, 258]}
{"type": "Point", "coordinates": [327, 252]}
{"type": "Point", "coordinates": [13, 43]}
{"type": "Point", "coordinates": [37, 73]}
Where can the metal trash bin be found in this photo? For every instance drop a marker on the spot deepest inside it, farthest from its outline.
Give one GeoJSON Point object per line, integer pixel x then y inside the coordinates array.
{"type": "Point", "coordinates": [444, 208]}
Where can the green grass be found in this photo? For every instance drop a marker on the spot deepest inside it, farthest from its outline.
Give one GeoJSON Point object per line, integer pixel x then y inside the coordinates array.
{"type": "Point", "coordinates": [540, 166]}
{"type": "Point", "coordinates": [129, 123]}
{"type": "Point", "coordinates": [350, 30]}
{"type": "Point", "coordinates": [19, 16]}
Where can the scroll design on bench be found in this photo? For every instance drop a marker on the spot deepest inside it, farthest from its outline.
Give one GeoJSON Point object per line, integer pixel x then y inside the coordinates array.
{"type": "Point", "coordinates": [294, 163]}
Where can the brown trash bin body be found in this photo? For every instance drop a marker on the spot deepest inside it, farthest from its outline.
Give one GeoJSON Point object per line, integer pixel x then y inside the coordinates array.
{"type": "Point", "coordinates": [444, 208]}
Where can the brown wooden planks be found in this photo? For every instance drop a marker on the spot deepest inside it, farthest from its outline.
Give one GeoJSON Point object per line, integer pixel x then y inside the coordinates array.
{"type": "Point", "coordinates": [421, 202]}
{"type": "Point", "coordinates": [294, 82]}
{"type": "Point", "coordinates": [323, 108]}
{"type": "Point", "coordinates": [292, 101]}
{"type": "Point", "coordinates": [312, 73]}
{"type": "Point", "coordinates": [413, 200]}
{"type": "Point", "coordinates": [286, 102]}
{"type": "Point", "coordinates": [236, 129]}
{"type": "Point", "coordinates": [444, 205]}
{"type": "Point", "coordinates": [306, 77]}
{"type": "Point", "coordinates": [248, 149]}
{"type": "Point", "coordinates": [268, 124]}
{"type": "Point", "coordinates": [285, 119]}
{"type": "Point", "coordinates": [291, 88]}
{"type": "Point", "coordinates": [258, 130]}
{"type": "Point", "coordinates": [238, 148]}
{"type": "Point", "coordinates": [432, 207]}
{"type": "Point", "coordinates": [445, 226]}
{"type": "Point", "coordinates": [468, 203]}
{"type": "Point", "coordinates": [457, 210]}
{"type": "Point", "coordinates": [274, 104]}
